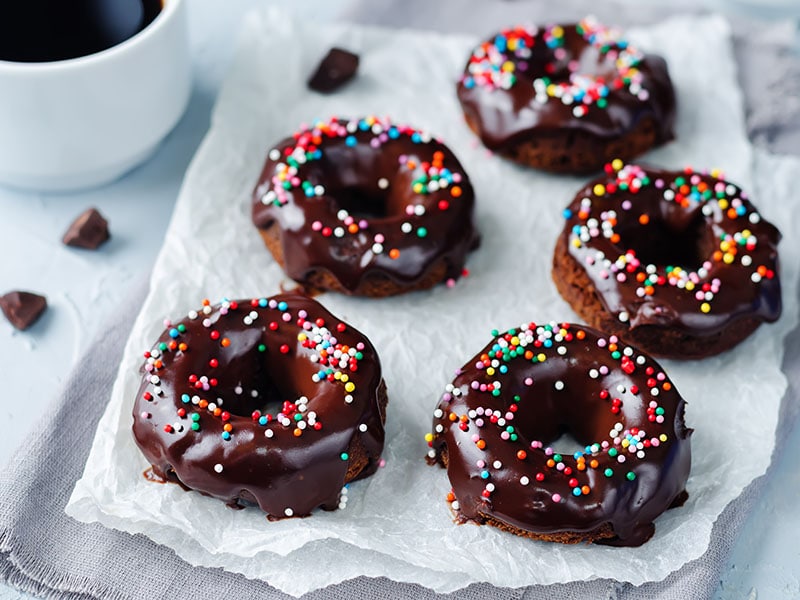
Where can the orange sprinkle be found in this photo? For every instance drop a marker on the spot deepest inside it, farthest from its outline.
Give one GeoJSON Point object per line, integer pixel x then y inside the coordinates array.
{"type": "Point", "coordinates": [352, 228]}
{"type": "Point", "coordinates": [227, 427]}
{"type": "Point", "coordinates": [615, 238]}
{"type": "Point", "coordinates": [217, 411]}
{"type": "Point", "coordinates": [640, 276]}
{"type": "Point", "coordinates": [731, 213]}
{"type": "Point", "coordinates": [450, 496]}
{"type": "Point", "coordinates": [717, 255]}
{"type": "Point", "coordinates": [594, 464]}
{"type": "Point", "coordinates": [612, 347]}
{"type": "Point", "coordinates": [580, 334]}
{"type": "Point", "coordinates": [225, 342]}
{"type": "Point", "coordinates": [172, 345]}
{"type": "Point", "coordinates": [453, 417]}
{"type": "Point", "coordinates": [481, 444]}
{"type": "Point", "coordinates": [585, 490]}
{"type": "Point", "coordinates": [644, 219]}
{"type": "Point", "coordinates": [455, 191]}
{"type": "Point", "coordinates": [522, 455]}
{"type": "Point", "coordinates": [667, 386]}
{"type": "Point", "coordinates": [158, 364]}
{"type": "Point", "coordinates": [551, 463]}
{"type": "Point", "coordinates": [183, 347]}
{"type": "Point", "coordinates": [297, 432]}
{"type": "Point", "coordinates": [206, 302]}
{"type": "Point", "coordinates": [528, 354]}
{"type": "Point", "coordinates": [394, 253]}
{"type": "Point", "coordinates": [649, 290]}
{"type": "Point", "coordinates": [581, 466]}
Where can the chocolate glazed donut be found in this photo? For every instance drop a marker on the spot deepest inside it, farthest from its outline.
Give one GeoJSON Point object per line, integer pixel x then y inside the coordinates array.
{"type": "Point", "coordinates": [365, 207]}
{"type": "Point", "coordinates": [494, 423]}
{"type": "Point", "coordinates": [678, 263]}
{"type": "Point", "coordinates": [566, 98]}
{"type": "Point", "coordinates": [273, 401]}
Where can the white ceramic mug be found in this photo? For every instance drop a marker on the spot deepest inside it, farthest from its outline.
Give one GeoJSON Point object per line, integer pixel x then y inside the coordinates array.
{"type": "Point", "coordinates": [85, 121]}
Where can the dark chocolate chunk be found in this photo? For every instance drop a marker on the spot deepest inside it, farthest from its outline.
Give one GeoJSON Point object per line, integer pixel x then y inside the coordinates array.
{"type": "Point", "coordinates": [22, 309]}
{"type": "Point", "coordinates": [87, 231]}
{"type": "Point", "coordinates": [336, 69]}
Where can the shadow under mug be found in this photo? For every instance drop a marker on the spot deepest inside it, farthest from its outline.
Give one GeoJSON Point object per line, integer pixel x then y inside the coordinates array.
{"type": "Point", "coordinates": [82, 122]}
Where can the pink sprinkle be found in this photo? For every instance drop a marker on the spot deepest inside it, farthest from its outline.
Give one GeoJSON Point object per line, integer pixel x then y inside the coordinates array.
{"type": "Point", "coordinates": [145, 415]}
{"type": "Point", "coordinates": [382, 463]}
{"type": "Point", "coordinates": [528, 381]}
{"type": "Point", "coordinates": [556, 498]}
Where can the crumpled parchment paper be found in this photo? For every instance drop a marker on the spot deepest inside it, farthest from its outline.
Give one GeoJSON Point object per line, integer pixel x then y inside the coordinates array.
{"type": "Point", "coordinates": [397, 523]}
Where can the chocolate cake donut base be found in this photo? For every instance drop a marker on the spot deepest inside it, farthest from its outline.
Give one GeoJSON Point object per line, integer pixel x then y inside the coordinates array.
{"type": "Point", "coordinates": [375, 285]}
{"type": "Point", "coordinates": [577, 151]}
{"type": "Point", "coordinates": [576, 287]}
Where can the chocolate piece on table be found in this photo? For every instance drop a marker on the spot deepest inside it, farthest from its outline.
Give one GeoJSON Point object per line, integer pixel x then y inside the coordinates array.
{"type": "Point", "coordinates": [22, 309]}
{"type": "Point", "coordinates": [87, 231]}
{"type": "Point", "coordinates": [337, 68]}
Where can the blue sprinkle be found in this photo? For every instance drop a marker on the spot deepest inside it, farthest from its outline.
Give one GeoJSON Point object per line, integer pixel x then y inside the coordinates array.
{"type": "Point", "coordinates": [282, 306]}
{"type": "Point", "coordinates": [469, 83]}
{"type": "Point", "coordinates": [350, 141]}
{"type": "Point", "coordinates": [262, 420]}
{"type": "Point", "coordinates": [504, 368]}
{"type": "Point", "coordinates": [309, 192]}
{"type": "Point", "coordinates": [363, 125]}
{"type": "Point", "coordinates": [317, 154]}
{"type": "Point", "coordinates": [185, 399]}
{"type": "Point", "coordinates": [226, 436]}
{"type": "Point", "coordinates": [500, 43]}
{"type": "Point", "coordinates": [393, 133]}
{"type": "Point", "coordinates": [416, 137]}
{"type": "Point", "coordinates": [547, 343]}
{"type": "Point", "coordinates": [576, 491]}
{"type": "Point", "coordinates": [484, 474]}
{"type": "Point", "coordinates": [262, 303]}
{"type": "Point", "coordinates": [567, 213]}
{"type": "Point", "coordinates": [577, 455]}
{"type": "Point", "coordinates": [173, 333]}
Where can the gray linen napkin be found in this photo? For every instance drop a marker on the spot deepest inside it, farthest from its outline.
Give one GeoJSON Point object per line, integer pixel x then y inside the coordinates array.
{"type": "Point", "coordinates": [44, 552]}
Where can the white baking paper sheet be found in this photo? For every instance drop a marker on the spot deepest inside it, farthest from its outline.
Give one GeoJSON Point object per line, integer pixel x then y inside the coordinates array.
{"type": "Point", "coordinates": [397, 523]}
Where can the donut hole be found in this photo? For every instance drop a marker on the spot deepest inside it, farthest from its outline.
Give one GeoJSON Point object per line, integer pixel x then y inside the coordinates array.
{"type": "Point", "coordinates": [362, 203]}
{"type": "Point", "coordinates": [261, 380]}
{"type": "Point", "coordinates": [669, 242]}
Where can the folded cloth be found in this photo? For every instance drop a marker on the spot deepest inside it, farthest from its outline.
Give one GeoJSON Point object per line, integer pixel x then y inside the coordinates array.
{"type": "Point", "coordinates": [44, 552]}
{"type": "Point", "coordinates": [767, 53]}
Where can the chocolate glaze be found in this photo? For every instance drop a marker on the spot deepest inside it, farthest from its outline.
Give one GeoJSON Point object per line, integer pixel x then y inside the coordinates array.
{"type": "Point", "coordinates": [285, 474]}
{"type": "Point", "coordinates": [571, 380]}
{"type": "Point", "coordinates": [683, 230]}
{"type": "Point", "coordinates": [367, 168]}
{"type": "Point", "coordinates": [507, 117]}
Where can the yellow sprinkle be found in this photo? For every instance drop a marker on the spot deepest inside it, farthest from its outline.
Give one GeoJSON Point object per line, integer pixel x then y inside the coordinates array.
{"type": "Point", "coordinates": [557, 31]}
{"type": "Point", "coordinates": [337, 375]}
{"type": "Point", "coordinates": [663, 437]}
{"type": "Point", "coordinates": [576, 242]}
{"type": "Point", "coordinates": [746, 233]}
{"type": "Point", "coordinates": [541, 357]}
{"type": "Point", "coordinates": [716, 173]}
{"type": "Point", "coordinates": [344, 378]}
{"type": "Point", "coordinates": [490, 371]}
{"type": "Point", "coordinates": [617, 164]}
{"type": "Point", "coordinates": [508, 66]}
{"type": "Point", "coordinates": [723, 203]}
{"type": "Point", "coordinates": [428, 437]}
{"type": "Point", "coordinates": [727, 258]}
{"type": "Point", "coordinates": [599, 189]}
{"type": "Point", "coordinates": [625, 443]}
{"type": "Point", "coordinates": [515, 341]}
{"type": "Point", "coordinates": [689, 286]}
{"type": "Point", "coordinates": [705, 307]}
{"type": "Point", "coordinates": [302, 337]}
{"type": "Point", "coordinates": [349, 386]}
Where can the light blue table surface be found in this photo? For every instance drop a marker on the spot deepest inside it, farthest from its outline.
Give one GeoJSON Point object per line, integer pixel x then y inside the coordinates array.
{"type": "Point", "coordinates": [83, 288]}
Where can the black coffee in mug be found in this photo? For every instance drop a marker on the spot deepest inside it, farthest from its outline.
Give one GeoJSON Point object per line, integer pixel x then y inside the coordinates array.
{"type": "Point", "coordinates": [50, 30]}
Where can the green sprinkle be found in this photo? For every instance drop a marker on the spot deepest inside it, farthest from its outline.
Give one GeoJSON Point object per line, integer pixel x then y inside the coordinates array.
{"type": "Point", "coordinates": [631, 475]}
{"type": "Point", "coordinates": [195, 426]}
{"type": "Point", "coordinates": [612, 452]}
{"type": "Point", "coordinates": [422, 232]}
{"type": "Point", "coordinates": [262, 348]}
{"type": "Point", "coordinates": [344, 456]}
{"type": "Point", "coordinates": [162, 346]}
{"type": "Point", "coordinates": [608, 472]}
